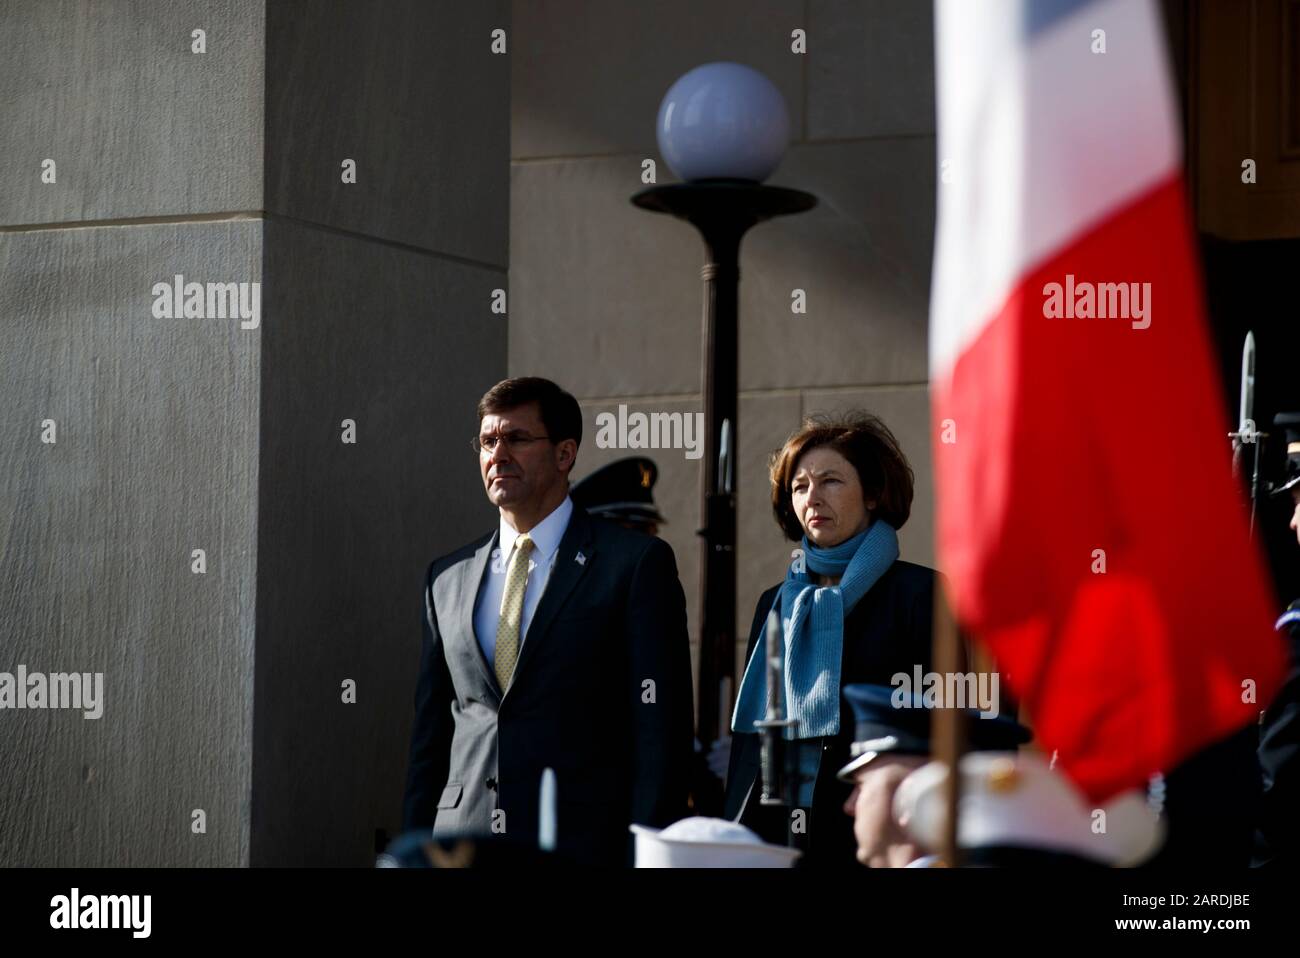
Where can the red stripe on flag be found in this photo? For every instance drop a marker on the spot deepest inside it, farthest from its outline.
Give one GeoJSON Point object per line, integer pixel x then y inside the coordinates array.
{"type": "Point", "coordinates": [1077, 435]}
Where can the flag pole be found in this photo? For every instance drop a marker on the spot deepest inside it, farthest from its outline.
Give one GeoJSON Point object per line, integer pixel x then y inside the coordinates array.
{"type": "Point", "coordinates": [949, 731]}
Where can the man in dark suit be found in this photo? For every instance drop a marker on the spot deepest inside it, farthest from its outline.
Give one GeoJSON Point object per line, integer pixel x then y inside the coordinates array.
{"type": "Point", "coordinates": [557, 641]}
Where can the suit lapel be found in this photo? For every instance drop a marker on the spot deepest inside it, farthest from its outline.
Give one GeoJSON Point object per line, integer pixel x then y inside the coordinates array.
{"type": "Point", "coordinates": [564, 577]}
{"type": "Point", "coordinates": [468, 579]}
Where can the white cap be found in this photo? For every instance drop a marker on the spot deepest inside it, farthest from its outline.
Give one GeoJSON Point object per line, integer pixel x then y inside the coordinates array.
{"type": "Point", "coordinates": [1016, 799]}
{"type": "Point", "coordinates": [707, 843]}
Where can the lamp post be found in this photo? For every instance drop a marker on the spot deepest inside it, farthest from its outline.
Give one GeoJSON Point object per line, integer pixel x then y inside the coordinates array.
{"type": "Point", "coordinates": [723, 128]}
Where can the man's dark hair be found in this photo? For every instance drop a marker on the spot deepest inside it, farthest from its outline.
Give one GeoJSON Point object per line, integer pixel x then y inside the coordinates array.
{"type": "Point", "coordinates": [559, 410]}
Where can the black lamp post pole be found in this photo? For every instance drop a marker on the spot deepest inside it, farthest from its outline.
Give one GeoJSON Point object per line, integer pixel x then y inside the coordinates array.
{"type": "Point", "coordinates": [721, 275]}
{"type": "Point", "coordinates": [722, 210]}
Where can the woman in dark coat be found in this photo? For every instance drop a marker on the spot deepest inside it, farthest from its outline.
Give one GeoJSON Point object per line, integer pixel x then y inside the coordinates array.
{"type": "Point", "coordinates": [851, 611]}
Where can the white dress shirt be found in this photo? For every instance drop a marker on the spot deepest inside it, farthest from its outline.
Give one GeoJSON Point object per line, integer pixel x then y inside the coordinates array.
{"type": "Point", "coordinates": [546, 536]}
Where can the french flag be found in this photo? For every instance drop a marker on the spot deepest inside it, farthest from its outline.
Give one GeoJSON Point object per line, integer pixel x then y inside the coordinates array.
{"type": "Point", "coordinates": [1087, 520]}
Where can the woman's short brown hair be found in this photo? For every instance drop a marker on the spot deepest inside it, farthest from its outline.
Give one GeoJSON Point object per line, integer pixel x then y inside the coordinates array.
{"type": "Point", "coordinates": [867, 444]}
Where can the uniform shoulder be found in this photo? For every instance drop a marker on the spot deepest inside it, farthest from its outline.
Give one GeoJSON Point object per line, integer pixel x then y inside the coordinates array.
{"type": "Point", "coordinates": [627, 541]}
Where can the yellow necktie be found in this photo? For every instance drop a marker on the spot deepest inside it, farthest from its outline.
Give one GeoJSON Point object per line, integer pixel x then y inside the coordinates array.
{"type": "Point", "coordinates": [512, 613]}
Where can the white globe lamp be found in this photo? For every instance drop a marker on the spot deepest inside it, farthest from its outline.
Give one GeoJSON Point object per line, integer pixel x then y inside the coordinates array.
{"type": "Point", "coordinates": [723, 121]}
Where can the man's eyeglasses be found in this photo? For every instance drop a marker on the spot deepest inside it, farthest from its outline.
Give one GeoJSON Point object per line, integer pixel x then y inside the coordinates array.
{"type": "Point", "coordinates": [513, 440]}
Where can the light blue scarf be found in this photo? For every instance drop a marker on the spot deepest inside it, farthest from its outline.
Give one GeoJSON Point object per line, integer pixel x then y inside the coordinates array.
{"type": "Point", "coordinates": [812, 619]}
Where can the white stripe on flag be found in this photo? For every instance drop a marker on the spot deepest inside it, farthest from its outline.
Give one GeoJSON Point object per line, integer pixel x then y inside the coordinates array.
{"type": "Point", "coordinates": [1044, 139]}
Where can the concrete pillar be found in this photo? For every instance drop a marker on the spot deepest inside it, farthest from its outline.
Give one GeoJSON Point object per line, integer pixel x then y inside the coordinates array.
{"type": "Point", "coordinates": [223, 689]}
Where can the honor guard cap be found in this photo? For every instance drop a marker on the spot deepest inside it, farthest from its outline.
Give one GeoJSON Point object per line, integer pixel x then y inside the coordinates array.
{"type": "Point", "coordinates": [622, 491]}
{"type": "Point", "coordinates": [1289, 422]}
{"type": "Point", "coordinates": [884, 725]}
{"type": "Point", "coordinates": [1016, 809]}
{"type": "Point", "coordinates": [707, 843]}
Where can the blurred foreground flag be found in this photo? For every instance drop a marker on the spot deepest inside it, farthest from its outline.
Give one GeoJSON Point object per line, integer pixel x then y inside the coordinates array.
{"type": "Point", "coordinates": [1087, 520]}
